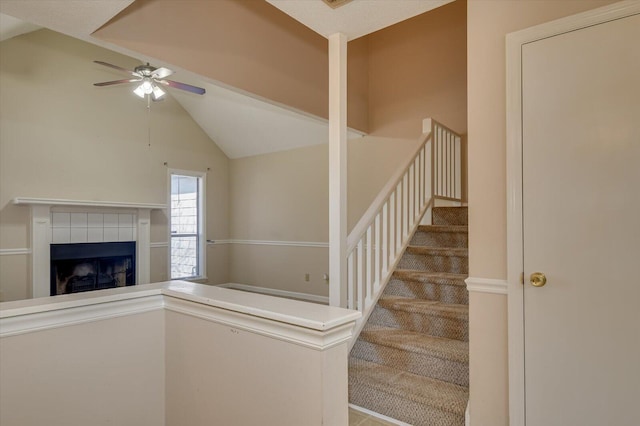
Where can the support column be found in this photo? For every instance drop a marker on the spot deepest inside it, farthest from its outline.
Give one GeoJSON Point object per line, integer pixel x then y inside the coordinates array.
{"type": "Point", "coordinates": [338, 170]}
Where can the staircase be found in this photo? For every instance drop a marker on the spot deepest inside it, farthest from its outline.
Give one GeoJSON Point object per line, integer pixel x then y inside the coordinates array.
{"type": "Point", "coordinates": [411, 360]}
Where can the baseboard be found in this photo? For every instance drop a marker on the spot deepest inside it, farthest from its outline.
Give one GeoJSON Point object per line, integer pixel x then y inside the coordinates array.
{"type": "Point", "coordinates": [378, 415]}
{"type": "Point", "coordinates": [278, 293]}
{"type": "Point", "coordinates": [486, 285]}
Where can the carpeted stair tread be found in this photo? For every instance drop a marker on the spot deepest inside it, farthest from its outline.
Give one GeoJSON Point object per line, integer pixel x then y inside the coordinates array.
{"type": "Point", "coordinates": [438, 251]}
{"type": "Point", "coordinates": [450, 216]}
{"type": "Point", "coordinates": [443, 228]}
{"type": "Point", "coordinates": [411, 341]}
{"type": "Point", "coordinates": [425, 391]}
{"type": "Point", "coordinates": [446, 290]}
{"type": "Point", "coordinates": [424, 307]}
{"type": "Point", "coordinates": [435, 259]}
{"type": "Point", "coordinates": [444, 278]}
{"type": "Point", "coordinates": [440, 236]}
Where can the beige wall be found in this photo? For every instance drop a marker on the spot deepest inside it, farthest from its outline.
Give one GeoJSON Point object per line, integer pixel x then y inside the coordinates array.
{"type": "Point", "coordinates": [75, 376]}
{"type": "Point", "coordinates": [61, 137]}
{"type": "Point", "coordinates": [249, 44]}
{"type": "Point", "coordinates": [488, 23]}
{"type": "Point", "coordinates": [418, 69]}
{"type": "Point", "coordinates": [204, 383]}
{"type": "Point", "coordinates": [284, 197]}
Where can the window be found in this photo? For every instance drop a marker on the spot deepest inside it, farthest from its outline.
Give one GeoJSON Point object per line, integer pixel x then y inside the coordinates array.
{"type": "Point", "coordinates": [187, 225]}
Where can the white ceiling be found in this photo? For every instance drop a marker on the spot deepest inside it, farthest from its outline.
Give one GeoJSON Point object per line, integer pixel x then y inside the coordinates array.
{"type": "Point", "coordinates": [231, 118]}
{"type": "Point", "coordinates": [357, 17]}
{"type": "Point", "coordinates": [243, 126]}
{"type": "Point", "coordinates": [11, 27]}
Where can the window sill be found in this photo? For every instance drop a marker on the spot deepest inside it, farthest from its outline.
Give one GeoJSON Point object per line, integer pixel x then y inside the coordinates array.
{"type": "Point", "coordinates": [199, 280]}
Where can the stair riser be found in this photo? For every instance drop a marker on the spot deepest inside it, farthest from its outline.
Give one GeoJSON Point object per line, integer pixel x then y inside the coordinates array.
{"type": "Point", "coordinates": [421, 364]}
{"type": "Point", "coordinates": [450, 216]}
{"type": "Point", "coordinates": [455, 294]}
{"type": "Point", "coordinates": [434, 263]}
{"type": "Point", "coordinates": [401, 409]}
{"type": "Point", "coordinates": [451, 328]}
{"type": "Point", "coordinates": [440, 239]}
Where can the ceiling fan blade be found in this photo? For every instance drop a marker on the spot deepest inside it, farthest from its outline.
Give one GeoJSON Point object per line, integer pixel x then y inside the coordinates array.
{"type": "Point", "coordinates": [161, 72]}
{"type": "Point", "coordinates": [183, 86]}
{"type": "Point", "coordinates": [115, 67]}
{"type": "Point", "coordinates": [111, 83]}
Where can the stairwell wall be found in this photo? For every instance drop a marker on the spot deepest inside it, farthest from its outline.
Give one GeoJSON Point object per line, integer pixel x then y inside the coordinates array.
{"type": "Point", "coordinates": [63, 138]}
{"type": "Point", "coordinates": [283, 197]}
{"type": "Point", "coordinates": [488, 24]}
{"type": "Point", "coordinates": [418, 69]}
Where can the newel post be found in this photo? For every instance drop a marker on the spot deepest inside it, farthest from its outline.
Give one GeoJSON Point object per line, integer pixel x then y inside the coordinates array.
{"type": "Point", "coordinates": [338, 170]}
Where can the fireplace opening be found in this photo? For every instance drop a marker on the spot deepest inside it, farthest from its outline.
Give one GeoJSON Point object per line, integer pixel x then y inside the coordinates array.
{"type": "Point", "coordinates": [92, 266]}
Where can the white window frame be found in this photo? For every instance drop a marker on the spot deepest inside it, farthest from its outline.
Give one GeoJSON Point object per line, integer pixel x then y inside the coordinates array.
{"type": "Point", "coordinates": [202, 240]}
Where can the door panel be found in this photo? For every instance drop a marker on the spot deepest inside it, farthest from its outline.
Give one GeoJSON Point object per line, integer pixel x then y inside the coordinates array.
{"type": "Point", "coordinates": [581, 225]}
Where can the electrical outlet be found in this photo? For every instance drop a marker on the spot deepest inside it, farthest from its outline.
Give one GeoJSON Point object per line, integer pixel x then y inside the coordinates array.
{"type": "Point", "coordinates": [306, 277]}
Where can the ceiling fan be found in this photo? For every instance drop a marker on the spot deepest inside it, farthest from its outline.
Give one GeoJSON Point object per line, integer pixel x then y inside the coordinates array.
{"type": "Point", "coordinates": [149, 78]}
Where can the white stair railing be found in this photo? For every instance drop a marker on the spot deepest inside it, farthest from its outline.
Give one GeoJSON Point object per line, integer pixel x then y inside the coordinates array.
{"type": "Point", "coordinates": [448, 157]}
{"type": "Point", "coordinates": [377, 242]}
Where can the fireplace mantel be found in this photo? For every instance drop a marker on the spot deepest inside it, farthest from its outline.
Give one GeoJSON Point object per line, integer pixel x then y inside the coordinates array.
{"type": "Point", "coordinates": [86, 203]}
{"type": "Point", "coordinates": [41, 235]}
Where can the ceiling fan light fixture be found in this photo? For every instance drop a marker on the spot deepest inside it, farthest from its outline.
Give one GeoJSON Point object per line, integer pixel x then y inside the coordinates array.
{"type": "Point", "coordinates": [139, 91]}
{"type": "Point", "coordinates": [147, 85]}
{"type": "Point", "coordinates": [157, 92]}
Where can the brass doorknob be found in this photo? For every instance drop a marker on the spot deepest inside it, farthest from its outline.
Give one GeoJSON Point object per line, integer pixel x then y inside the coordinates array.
{"type": "Point", "coordinates": [538, 279]}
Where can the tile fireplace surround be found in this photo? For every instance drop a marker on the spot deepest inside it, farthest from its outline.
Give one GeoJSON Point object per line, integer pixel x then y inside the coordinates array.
{"type": "Point", "coordinates": [75, 221]}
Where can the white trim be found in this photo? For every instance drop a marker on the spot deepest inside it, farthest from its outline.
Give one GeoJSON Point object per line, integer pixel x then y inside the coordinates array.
{"type": "Point", "coordinates": [314, 339]}
{"type": "Point", "coordinates": [377, 415]}
{"type": "Point", "coordinates": [515, 41]}
{"type": "Point", "coordinates": [202, 219]}
{"type": "Point", "coordinates": [14, 251]}
{"type": "Point", "coordinates": [276, 292]}
{"type": "Point", "coordinates": [86, 203]}
{"type": "Point", "coordinates": [467, 416]}
{"type": "Point", "coordinates": [280, 243]}
{"type": "Point", "coordinates": [338, 169]}
{"type": "Point", "coordinates": [486, 285]}
{"type": "Point", "coordinates": [316, 327]}
{"type": "Point", "coordinates": [218, 242]}
{"type": "Point", "coordinates": [159, 245]}
{"type": "Point", "coordinates": [39, 321]}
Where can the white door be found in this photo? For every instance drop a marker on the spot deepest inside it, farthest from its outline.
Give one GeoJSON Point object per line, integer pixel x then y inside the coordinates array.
{"type": "Point", "coordinates": [581, 226]}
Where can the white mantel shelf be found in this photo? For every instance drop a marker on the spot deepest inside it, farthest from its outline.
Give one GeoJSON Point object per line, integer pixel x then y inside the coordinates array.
{"type": "Point", "coordinates": [27, 201]}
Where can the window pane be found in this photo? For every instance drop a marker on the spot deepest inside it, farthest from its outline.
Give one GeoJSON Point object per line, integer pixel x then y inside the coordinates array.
{"type": "Point", "coordinates": [184, 204]}
{"type": "Point", "coordinates": [185, 227]}
{"type": "Point", "coordinates": [184, 257]}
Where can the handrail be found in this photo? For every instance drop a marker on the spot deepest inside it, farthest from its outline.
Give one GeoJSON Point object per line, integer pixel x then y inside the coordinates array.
{"type": "Point", "coordinates": [377, 242]}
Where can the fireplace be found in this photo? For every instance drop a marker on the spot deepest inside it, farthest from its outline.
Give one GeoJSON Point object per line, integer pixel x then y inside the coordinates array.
{"type": "Point", "coordinates": [92, 266]}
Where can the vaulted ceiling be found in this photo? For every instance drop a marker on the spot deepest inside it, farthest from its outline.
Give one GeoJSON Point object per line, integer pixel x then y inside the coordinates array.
{"type": "Point", "coordinates": [240, 122]}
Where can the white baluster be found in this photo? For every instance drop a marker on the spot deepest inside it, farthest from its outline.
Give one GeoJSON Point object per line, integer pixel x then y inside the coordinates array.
{"type": "Point", "coordinates": [360, 275]}
{"type": "Point", "coordinates": [378, 254]}
{"type": "Point", "coordinates": [350, 280]}
{"type": "Point", "coordinates": [385, 238]}
{"type": "Point", "coordinates": [369, 281]}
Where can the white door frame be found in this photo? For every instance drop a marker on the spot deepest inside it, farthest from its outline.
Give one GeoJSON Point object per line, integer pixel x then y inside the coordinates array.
{"type": "Point", "coordinates": [515, 41]}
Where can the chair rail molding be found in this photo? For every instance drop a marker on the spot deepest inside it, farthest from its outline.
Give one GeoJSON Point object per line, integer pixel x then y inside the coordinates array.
{"type": "Point", "coordinates": [486, 285]}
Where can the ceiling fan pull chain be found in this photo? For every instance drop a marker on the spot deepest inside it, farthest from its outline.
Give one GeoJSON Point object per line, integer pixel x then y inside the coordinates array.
{"type": "Point", "coordinates": [149, 120]}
